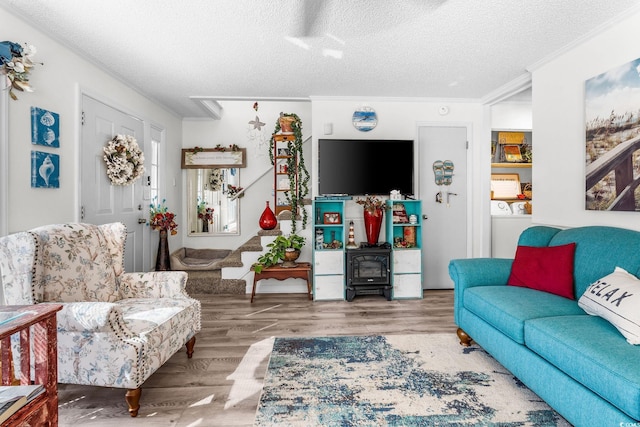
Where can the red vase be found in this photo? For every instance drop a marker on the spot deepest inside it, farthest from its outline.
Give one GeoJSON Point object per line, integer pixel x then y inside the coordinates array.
{"type": "Point", "coordinates": [268, 219]}
{"type": "Point", "coordinates": [372, 224]}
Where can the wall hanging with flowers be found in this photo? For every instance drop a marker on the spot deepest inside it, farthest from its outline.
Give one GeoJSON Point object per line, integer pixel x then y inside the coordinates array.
{"type": "Point", "coordinates": [16, 63]}
{"type": "Point", "coordinates": [124, 159]}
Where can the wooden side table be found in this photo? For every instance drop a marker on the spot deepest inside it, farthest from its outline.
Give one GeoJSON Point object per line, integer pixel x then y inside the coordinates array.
{"type": "Point", "coordinates": [301, 271]}
{"type": "Point", "coordinates": [36, 325]}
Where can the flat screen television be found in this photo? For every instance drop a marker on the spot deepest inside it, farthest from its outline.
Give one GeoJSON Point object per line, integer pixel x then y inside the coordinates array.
{"type": "Point", "coordinates": [365, 166]}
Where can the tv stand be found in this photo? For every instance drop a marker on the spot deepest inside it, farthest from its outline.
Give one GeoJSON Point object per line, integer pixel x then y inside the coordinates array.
{"type": "Point", "coordinates": [402, 242]}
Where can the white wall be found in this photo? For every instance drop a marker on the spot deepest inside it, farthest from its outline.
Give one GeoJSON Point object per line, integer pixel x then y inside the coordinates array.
{"type": "Point", "coordinates": [399, 119]}
{"type": "Point", "coordinates": [58, 85]}
{"type": "Point", "coordinates": [514, 115]}
{"type": "Point", "coordinates": [558, 122]}
{"type": "Point", "coordinates": [234, 128]}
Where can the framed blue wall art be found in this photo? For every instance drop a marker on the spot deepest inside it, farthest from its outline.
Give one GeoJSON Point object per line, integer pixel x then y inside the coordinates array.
{"type": "Point", "coordinates": [45, 127]}
{"type": "Point", "coordinates": [45, 170]}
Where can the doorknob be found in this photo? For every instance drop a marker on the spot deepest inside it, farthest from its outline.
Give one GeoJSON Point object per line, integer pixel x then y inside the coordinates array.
{"type": "Point", "coordinates": [142, 221]}
{"type": "Point", "coordinates": [425, 217]}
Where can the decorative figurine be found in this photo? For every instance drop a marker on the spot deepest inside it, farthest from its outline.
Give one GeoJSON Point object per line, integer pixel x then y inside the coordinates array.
{"type": "Point", "coordinates": [351, 242]}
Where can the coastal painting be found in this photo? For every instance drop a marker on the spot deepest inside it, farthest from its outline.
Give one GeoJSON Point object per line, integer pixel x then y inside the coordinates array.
{"type": "Point", "coordinates": [365, 119]}
{"type": "Point", "coordinates": [45, 127]}
{"type": "Point", "coordinates": [45, 170]}
{"type": "Point", "coordinates": [612, 137]}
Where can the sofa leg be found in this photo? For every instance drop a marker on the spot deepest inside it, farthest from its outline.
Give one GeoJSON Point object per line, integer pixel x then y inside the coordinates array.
{"type": "Point", "coordinates": [133, 400]}
{"type": "Point", "coordinates": [465, 339]}
{"type": "Point", "coordinates": [190, 345]}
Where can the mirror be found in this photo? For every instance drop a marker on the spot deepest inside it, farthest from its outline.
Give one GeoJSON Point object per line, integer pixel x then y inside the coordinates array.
{"type": "Point", "coordinates": [208, 192]}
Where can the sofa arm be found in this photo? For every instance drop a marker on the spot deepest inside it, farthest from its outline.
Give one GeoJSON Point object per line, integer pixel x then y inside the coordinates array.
{"type": "Point", "coordinates": [92, 317]}
{"type": "Point", "coordinates": [472, 272]}
{"type": "Point", "coordinates": [155, 284]}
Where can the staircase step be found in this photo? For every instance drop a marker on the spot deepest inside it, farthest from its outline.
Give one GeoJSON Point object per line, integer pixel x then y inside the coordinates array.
{"type": "Point", "coordinates": [235, 257]}
{"type": "Point", "coordinates": [209, 282]}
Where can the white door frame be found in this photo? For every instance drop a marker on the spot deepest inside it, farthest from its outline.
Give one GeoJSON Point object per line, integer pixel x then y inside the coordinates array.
{"type": "Point", "coordinates": [420, 169]}
{"type": "Point", "coordinates": [4, 158]}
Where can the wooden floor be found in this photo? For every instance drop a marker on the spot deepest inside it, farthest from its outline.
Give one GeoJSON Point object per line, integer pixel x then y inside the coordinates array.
{"type": "Point", "coordinates": [220, 385]}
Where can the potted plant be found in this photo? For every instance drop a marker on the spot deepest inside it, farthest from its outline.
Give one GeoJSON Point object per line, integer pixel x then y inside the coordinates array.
{"type": "Point", "coordinates": [283, 248]}
{"type": "Point", "coordinates": [298, 185]}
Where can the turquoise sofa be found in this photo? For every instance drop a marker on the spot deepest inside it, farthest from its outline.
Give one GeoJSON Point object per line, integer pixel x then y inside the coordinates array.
{"type": "Point", "coordinates": [579, 364]}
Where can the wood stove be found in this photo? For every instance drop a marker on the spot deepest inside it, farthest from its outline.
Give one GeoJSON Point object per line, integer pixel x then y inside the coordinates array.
{"type": "Point", "coordinates": [369, 270]}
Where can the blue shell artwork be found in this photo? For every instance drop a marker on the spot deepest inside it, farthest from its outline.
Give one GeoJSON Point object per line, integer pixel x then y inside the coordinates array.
{"type": "Point", "coordinates": [365, 119]}
{"type": "Point", "coordinates": [45, 170]}
{"type": "Point", "coordinates": [45, 127]}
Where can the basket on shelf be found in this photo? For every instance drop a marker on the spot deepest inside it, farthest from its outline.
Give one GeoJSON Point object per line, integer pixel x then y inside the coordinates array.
{"type": "Point", "coordinates": [527, 190]}
{"type": "Point", "coordinates": [527, 207]}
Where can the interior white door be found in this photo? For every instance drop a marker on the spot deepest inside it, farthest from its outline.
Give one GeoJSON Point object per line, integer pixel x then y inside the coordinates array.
{"type": "Point", "coordinates": [444, 231]}
{"type": "Point", "coordinates": [102, 202]}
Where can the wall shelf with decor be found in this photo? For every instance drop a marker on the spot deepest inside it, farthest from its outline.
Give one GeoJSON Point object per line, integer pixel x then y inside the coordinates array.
{"type": "Point", "coordinates": [329, 234]}
{"type": "Point", "coordinates": [403, 229]}
{"type": "Point", "coordinates": [507, 217]}
{"type": "Point", "coordinates": [510, 165]}
{"type": "Point", "coordinates": [520, 159]}
{"type": "Point", "coordinates": [284, 164]}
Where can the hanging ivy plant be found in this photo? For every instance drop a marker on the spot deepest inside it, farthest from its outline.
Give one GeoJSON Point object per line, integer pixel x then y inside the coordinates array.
{"type": "Point", "coordinates": [295, 196]}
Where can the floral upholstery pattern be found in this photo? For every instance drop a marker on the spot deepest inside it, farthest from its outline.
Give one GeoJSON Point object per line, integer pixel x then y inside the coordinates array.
{"type": "Point", "coordinates": [115, 328]}
{"type": "Point", "coordinates": [17, 261]}
{"type": "Point", "coordinates": [75, 264]}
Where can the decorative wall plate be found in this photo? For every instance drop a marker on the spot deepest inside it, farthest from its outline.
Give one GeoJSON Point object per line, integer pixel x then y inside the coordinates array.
{"type": "Point", "coordinates": [364, 119]}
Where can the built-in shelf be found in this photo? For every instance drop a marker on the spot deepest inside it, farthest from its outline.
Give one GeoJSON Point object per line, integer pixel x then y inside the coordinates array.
{"type": "Point", "coordinates": [511, 165]}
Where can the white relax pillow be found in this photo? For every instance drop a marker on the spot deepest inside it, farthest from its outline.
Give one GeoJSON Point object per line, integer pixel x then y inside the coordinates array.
{"type": "Point", "coordinates": [616, 298]}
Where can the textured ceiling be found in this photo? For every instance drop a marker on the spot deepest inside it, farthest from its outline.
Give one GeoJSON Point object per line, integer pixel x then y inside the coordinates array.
{"type": "Point", "coordinates": [172, 50]}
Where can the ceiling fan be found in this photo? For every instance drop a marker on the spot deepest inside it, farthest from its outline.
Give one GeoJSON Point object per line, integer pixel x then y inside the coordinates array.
{"type": "Point", "coordinates": [315, 18]}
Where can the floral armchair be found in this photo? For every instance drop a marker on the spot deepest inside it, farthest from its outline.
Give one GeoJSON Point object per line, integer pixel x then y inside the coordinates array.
{"type": "Point", "coordinates": [116, 328]}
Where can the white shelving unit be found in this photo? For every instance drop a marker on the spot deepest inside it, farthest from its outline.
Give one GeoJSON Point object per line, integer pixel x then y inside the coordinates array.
{"type": "Point", "coordinates": [406, 242]}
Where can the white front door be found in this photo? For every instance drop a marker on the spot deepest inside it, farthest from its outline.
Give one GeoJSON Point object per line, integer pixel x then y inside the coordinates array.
{"type": "Point", "coordinates": [444, 231]}
{"type": "Point", "coordinates": [102, 202]}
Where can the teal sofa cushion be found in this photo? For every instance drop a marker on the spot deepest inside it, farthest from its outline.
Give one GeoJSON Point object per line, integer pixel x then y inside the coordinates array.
{"type": "Point", "coordinates": [590, 350]}
{"type": "Point", "coordinates": [599, 250]}
{"type": "Point", "coordinates": [506, 308]}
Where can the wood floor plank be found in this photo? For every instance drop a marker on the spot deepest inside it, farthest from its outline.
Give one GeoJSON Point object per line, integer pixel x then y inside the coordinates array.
{"type": "Point", "coordinates": [220, 386]}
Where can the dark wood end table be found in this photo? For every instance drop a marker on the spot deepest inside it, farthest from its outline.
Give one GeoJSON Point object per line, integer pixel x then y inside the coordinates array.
{"type": "Point", "coordinates": [301, 271]}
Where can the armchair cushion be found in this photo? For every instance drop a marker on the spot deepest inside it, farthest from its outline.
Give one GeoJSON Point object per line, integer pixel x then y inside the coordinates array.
{"type": "Point", "coordinates": [89, 317]}
{"type": "Point", "coordinates": [74, 265]}
{"type": "Point", "coordinates": [166, 284]}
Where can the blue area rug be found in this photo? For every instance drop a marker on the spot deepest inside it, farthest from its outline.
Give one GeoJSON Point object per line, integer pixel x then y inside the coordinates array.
{"type": "Point", "coordinates": [395, 380]}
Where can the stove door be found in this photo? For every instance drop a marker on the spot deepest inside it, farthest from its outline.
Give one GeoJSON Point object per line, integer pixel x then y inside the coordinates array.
{"type": "Point", "coordinates": [368, 269]}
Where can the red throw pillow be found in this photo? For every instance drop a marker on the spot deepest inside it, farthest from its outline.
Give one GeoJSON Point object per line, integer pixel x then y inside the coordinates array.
{"type": "Point", "coordinates": [548, 269]}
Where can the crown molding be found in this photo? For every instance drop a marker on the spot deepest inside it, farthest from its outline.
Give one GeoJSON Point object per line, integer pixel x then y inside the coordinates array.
{"type": "Point", "coordinates": [392, 99]}
{"type": "Point", "coordinates": [514, 87]}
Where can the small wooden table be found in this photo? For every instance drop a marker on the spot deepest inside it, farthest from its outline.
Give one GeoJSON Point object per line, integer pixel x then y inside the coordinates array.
{"type": "Point", "coordinates": [301, 271]}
